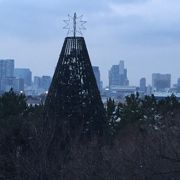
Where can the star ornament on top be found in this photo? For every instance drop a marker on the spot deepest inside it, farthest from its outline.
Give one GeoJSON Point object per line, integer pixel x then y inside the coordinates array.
{"type": "Point", "coordinates": [75, 25]}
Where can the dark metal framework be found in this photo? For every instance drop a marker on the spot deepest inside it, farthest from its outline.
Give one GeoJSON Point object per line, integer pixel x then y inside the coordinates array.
{"type": "Point", "coordinates": [73, 103]}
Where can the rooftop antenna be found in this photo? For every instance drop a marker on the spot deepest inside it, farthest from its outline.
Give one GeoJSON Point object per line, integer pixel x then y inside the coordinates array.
{"type": "Point", "coordinates": [74, 24]}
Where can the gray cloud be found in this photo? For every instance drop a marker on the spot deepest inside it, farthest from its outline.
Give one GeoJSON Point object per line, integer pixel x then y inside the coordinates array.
{"type": "Point", "coordinates": [134, 30]}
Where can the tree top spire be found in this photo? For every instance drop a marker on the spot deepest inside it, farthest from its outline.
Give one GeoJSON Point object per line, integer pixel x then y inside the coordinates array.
{"type": "Point", "coordinates": [74, 25]}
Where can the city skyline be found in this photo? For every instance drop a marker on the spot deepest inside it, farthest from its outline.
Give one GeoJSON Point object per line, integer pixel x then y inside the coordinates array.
{"type": "Point", "coordinates": [143, 33]}
{"type": "Point", "coordinates": [116, 70]}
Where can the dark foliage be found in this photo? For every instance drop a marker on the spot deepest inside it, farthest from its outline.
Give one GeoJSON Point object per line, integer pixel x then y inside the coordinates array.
{"type": "Point", "coordinates": [12, 105]}
{"type": "Point", "coordinates": [144, 143]}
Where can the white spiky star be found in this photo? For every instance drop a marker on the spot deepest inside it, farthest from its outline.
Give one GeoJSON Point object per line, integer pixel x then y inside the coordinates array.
{"type": "Point", "coordinates": [74, 24]}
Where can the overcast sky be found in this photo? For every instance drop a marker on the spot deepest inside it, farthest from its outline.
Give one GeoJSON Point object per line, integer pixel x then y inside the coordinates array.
{"type": "Point", "coordinates": [143, 33]}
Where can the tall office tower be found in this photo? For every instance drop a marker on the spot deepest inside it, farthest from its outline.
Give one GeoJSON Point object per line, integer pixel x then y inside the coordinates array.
{"type": "Point", "coordinates": [18, 84]}
{"type": "Point", "coordinates": [178, 82]}
{"type": "Point", "coordinates": [45, 82]}
{"type": "Point", "coordinates": [7, 83]}
{"type": "Point", "coordinates": [161, 81]}
{"type": "Point", "coordinates": [121, 67]}
{"type": "Point", "coordinates": [114, 78]}
{"type": "Point", "coordinates": [37, 82]}
{"type": "Point", "coordinates": [142, 86]}
{"type": "Point", "coordinates": [6, 74]}
{"type": "Point", "coordinates": [178, 85]}
{"type": "Point", "coordinates": [101, 85]}
{"type": "Point", "coordinates": [149, 90]}
{"type": "Point", "coordinates": [25, 74]}
{"type": "Point", "coordinates": [97, 76]}
{"type": "Point", "coordinates": [6, 68]}
{"type": "Point", "coordinates": [118, 75]}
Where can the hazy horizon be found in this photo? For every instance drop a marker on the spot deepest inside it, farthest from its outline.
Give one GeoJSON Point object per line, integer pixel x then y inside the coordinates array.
{"type": "Point", "coordinates": [143, 33]}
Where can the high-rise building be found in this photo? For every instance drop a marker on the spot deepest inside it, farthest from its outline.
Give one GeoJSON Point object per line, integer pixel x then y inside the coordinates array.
{"type": "Point", "coordinates": [42, 82]}
{"type": "Point", "coordinates": [6, 83]}
{"type": "Point", "coordinates": [45, 82]}
{"type": "Point", "coordinates": [6, 74]}
{"type": "Point", "coordinates": [37, 82]}
{"type": "Point", "coordinates": [178, 82]}
{"type": "Point", "coordinates": [178, 85]}
{"type": "Point", "coordinates": [97, 76]}
{"type": "Point", "coordinates": [114, 78]}
{"type": "Point", "coordinates": [121, 67]}
{"type": "Point", "coordinates": [142, 86]}
{"type": "Point", "coordinates": [6, 68]}
{"type": "Point", "coordinates": [118, 75]}
{"type": "Point", "coordinates": [149, 90]}
{"type": "Point", "coordinates": [18, 84]}
{"type": "Point", "coordinates": [25, 74]}
{"type": "Point", "coordinates": [161, 81]}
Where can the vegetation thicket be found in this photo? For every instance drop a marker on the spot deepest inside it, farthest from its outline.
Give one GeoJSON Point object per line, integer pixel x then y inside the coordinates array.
{"type": "Point", "coordinates": [141, 143]}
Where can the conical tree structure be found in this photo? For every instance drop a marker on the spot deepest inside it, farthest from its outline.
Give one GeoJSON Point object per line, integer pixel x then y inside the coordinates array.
{"type": "Point", "coordinates": [73, 102]}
